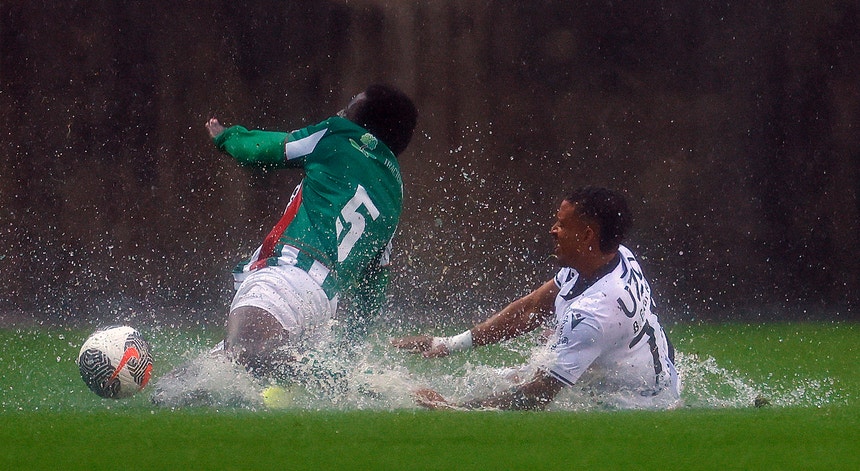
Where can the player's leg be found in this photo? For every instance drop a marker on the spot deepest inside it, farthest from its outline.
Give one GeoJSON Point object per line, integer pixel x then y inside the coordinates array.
{"type": "Point", "coordinates": [255, 339]}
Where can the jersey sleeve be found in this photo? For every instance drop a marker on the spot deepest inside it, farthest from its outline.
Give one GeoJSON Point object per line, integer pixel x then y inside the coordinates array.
{"type": "Point", "coordinates": [301, 144]}
{"type": "Point", "coordinates": [578, 345]}
{"type": "Point", "coordinates": [253, 148]}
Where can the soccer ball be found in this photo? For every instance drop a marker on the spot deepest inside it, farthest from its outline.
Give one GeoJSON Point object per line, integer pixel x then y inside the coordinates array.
{"type": "Point", "coordinates": [115, 362]}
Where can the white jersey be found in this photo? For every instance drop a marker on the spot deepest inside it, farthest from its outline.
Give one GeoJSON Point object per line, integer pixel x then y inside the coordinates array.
{"type": "Point", "coordinates": [606, 335]}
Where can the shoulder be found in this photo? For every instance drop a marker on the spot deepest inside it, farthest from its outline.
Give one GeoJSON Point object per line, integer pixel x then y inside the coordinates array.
{"type": "Point", "coordinates": [628, 259]}
{"type": "Point", "coordinates": [308, 130]}
{"type": "Point", "coordinates": [338, 125]}
{"type": "Point", "coordinates": [321, 140]}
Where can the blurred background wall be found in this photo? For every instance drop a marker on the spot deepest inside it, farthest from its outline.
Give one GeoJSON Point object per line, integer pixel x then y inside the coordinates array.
{"type": "Point", "coordinates": [732, 127]}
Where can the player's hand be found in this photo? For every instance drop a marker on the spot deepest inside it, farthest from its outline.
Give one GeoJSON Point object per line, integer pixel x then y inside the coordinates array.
{"type": "Point", "coordinates": [421, 344]}
{"type": "Point", "coordinates": [436, 351]}
{"type": "Point", "coordinates": [430, 399]}
{"type": "Point", "coordinates": [414, 343]}
{"type": "Point", "coordinates": [214, 127]}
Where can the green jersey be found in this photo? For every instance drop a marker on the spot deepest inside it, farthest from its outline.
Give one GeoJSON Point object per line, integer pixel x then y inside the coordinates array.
{"type": "Point", "coordinates": [340, 221]}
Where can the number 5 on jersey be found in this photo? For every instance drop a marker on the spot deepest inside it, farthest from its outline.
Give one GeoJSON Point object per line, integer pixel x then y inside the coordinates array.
{"type": "Point", "coordinates": [351, 217]}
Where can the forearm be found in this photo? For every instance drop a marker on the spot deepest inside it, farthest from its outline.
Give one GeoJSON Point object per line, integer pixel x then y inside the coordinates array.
{"type": "Point", "coordinates": [253, 148]}
{"type": "Point", "coordinates": [534, 395]}
{"type": "Point", "coordinates": [516, 319]}
{"type": "Point", "coordinates": [510, 322]}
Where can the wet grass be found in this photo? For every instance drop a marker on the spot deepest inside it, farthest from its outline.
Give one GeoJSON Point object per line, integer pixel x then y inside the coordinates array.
{"type": "Point", "coordinates": [49, 420]}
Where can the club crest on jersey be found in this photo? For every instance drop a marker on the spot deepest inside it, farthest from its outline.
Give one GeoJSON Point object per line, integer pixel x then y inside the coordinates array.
{"type": "Point", "coordinates": [368, 141]}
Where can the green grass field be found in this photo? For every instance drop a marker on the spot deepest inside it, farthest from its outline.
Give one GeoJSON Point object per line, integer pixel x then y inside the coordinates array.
{"type": "Point", "coordinates": [809, 372]}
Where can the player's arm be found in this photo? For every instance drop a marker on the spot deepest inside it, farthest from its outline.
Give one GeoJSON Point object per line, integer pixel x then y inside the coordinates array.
{"type": "Point", "coordinates": [517, 318]}
{"type": "Point", "coordinates": [249, 148]}
{"type": "Point", "coordinates": [533, 395]}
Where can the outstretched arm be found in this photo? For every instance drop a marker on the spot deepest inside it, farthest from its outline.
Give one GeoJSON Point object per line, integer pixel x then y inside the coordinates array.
{"type": "Point", "coordinates": [517, 318]}
{"type": "Point", "coordinates": [251, 148]}
{"type": "Point", "coordinates": [534, 395]}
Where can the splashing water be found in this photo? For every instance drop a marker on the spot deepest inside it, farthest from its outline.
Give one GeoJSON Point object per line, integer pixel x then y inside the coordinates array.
{"type": "Point", "coordinates": [40, 373]}
{"type": "Point", "coordinates": [208, 380]}
{"type": "Point", "coordinates": [375, 376]}
{"type": "Point", "coordinates": [706, 384]}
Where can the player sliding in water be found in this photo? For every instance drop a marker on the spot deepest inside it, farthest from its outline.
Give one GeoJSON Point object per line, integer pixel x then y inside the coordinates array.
{"type": "Point", "coordinates": [333, 240]}
{"type": "Point", "coordinates": [606, 335]}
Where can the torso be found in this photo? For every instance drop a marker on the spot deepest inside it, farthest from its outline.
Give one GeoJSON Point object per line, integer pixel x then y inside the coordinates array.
{"type": "Point", "coordinates": [607, 333]}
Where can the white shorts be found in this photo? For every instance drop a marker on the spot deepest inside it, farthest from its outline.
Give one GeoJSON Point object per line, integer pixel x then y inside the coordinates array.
{"type": "Point", "coordinates": [292, 297]}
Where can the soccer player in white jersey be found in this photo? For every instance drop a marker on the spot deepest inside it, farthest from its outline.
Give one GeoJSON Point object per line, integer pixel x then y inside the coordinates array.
{"type": "Point", "coordinates": [605, 331]}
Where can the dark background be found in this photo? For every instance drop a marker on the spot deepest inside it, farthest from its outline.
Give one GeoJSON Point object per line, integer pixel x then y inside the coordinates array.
{"type": "Point", "coordinates": [730, 126]}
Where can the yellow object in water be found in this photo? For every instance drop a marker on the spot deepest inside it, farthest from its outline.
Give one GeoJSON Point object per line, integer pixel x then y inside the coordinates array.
{"type": "Point", "coordinates": [276, 397]}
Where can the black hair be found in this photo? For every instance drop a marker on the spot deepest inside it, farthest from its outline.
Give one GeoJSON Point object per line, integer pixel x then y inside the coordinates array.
{"type": "Point", "coordinates": [388, 114]}
{"type": "Point", "coordinates": [608, 209]}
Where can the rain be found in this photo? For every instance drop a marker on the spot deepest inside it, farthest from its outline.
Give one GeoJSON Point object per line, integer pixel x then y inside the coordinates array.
{"type": "Point", "coordinates": [730, 128]}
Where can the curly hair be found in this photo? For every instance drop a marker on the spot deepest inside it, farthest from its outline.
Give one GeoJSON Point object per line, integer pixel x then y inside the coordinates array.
{"type": "Point", "coordinates": [388, 114]}
{"type": "Point", "coordinates": [608, 209]}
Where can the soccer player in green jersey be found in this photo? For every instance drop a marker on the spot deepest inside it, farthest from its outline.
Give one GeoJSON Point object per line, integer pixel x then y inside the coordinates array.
{"type": "Point", "coordinates": [334, 237]}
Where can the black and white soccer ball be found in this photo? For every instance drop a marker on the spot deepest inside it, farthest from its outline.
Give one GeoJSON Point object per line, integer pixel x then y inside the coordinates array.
{"type": "Point", "coordinates": [115, 362]}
